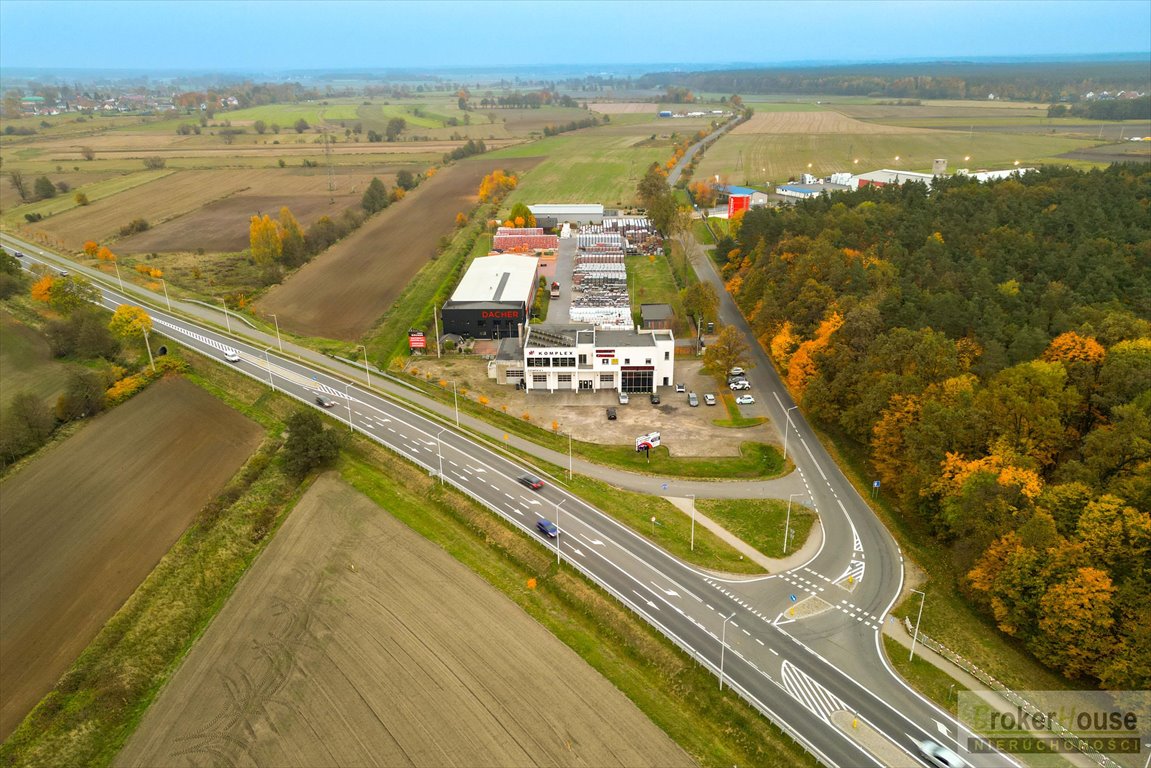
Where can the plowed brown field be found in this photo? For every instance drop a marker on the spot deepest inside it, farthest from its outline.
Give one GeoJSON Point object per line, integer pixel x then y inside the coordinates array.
{"type": "Point", "coordinates": [814, 122]}
{"type": "Point", "coordinates": [222, 226]}
{"type": "Point", "coordinates": [354, 641]}
{"type": "Point", "coordinates": [341, 294]}
{"type": "Point", "coordinates": [83, 525]}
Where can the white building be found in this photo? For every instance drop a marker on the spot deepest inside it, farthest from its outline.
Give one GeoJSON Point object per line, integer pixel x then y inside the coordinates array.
{"type": "Point", "coordinates": [574, 358]}
{"type": "Point", "coordinates": [576, 213]}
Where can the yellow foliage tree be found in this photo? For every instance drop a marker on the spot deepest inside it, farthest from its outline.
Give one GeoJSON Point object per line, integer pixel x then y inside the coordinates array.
{"type": "Point", "coordinates": [1070, 347]}
{"type": "Point", "coordinates": [496, 184]}
{"type": "Point", "coordinates": [264, 240]}
{"type": "Point", "coordinates": [888, 448]}
{"type": "Point", "coordinates": [91, 248]}
{"type": "Point", "coordinates": [42, 289]}
{"type": "Point", "coordinates": [104, 254]}
{"type": "Point", "coordinates": [802, 366]}
{"type": "Point", "coordinates": [783, 343]}
{"type": "Point", "coordinates": [129, 321]}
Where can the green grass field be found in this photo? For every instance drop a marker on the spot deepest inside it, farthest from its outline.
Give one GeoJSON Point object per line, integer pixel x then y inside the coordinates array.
{"type": "Point", "coordinates": [650, 282]}
{"type": "Point", "coordinates": [66, 201]}
{"type": "Point", "coordinates": [778, 157]}
{"type": "Point", "coordinates": [27, 363]}
{"type": "Point", "coordinates": [582, 168]}
{"type": "Point", "coordinates": [761, 522]}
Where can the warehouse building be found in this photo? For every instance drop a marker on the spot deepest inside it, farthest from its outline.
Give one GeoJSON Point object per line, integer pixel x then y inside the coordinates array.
{"type": "Point", "coordinates": [580, 358]}
{"type": "Point", "coordinates": [573, 213]}
{"type": "Point", "coordinates": [493, 298]}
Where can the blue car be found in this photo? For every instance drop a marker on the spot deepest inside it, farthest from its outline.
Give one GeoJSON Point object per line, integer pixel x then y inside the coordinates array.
{"type": "Point", "coordinates": [548, 528]}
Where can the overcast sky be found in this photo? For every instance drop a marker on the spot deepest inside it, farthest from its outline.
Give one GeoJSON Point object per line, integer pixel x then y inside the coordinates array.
{"type": "Point", "coordinates": [267, 36]}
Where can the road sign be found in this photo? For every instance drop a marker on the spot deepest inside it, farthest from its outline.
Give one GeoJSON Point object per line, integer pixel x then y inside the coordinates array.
{"type": "Point", "coordinates": [793, 598]}
{"type": "Point", "coordinates": [875, 484]}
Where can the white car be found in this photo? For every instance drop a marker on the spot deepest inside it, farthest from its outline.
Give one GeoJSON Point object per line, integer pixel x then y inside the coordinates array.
{"type": "Point", "coordinates": [680, 387]}
{"type": "Point", "coordinates": [709, 399]}
{"type": "Point", "coordinates": [231, 356]}
{"type": "Point", "coordinates": [940, 756]}
{"type": "Point", "coordinates": [737, 371]}
{"type": "Point", "coordinates": [741, 384]}
{"type": "Point", "coordinates": [745, 400]}
{"type": "Point", "coordinates": [623, 398]}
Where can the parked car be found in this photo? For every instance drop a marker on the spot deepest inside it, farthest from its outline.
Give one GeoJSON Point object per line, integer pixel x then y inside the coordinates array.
{"type": "Point", "coordinates": [745, 400]}
{"type": "Point", "coordinates": [692, 400]}
{"type": "Point", "coordinates": [623, 398]}
{"type": "Point", "coordinates": [531, 481]}
{"type": "Point", "coordinates": [611, 414]}
{"type": "Point", "coordinates": [655, 398]}
{"type": "Point", "coordinates": [709, 399]}
{"type": "Point", "coordinates": [231, 356]}
{"type": "Point", "coordinates": [731, 379]}
{"type": "Point", "coordinates": [741, 384]}
{"type": "Point", "coordinates": [736, 371]}
{"type": "Point", "coordinates": [548, 528]}
{"type": "Point", "coordinates": [940, 756]}
{"type": "Point", "coordinates": [324, 402]}
{"type": "Point", "coordinates": [680, 387]}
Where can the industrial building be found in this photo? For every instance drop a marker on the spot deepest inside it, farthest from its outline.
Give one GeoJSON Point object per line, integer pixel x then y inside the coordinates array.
{"type": "Point", "coordinates": [581, 358]}
{"type": "Point", "coordinates": [493, 298]}
{"type": "Point", "coordinates": [573, 213]}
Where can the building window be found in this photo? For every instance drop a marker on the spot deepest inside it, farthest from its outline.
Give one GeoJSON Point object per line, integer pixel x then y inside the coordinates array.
{"type": "Point", "coordinates": [648, 361]}
{"type": "Point", "coordinates": [666, 355]}
{"type": "Point", "coordinates": [583, 359]}
{"type": "Point", "coordinates": [539, 362]}
{"type": "Point", "coordinates": [563, 362]}
{"type": "Point", "coordinates": [627, 361]}
{"type": "Point", "coordinates": [514, 373]}
{"type": "Point", "coordinates": [539, 378]}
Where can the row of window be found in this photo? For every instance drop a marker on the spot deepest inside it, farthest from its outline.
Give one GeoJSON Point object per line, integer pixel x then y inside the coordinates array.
{"type": "Point", "coordinates": [569, 362]}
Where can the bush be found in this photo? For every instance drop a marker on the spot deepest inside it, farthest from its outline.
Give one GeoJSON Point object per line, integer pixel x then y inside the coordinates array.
{"type": "Point", "coordinates": [134, 226]}
{"type": "Point", "coordinates": [154, 163]}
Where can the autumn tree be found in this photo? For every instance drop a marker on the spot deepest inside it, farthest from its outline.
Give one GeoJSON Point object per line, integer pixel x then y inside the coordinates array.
{"type": "Point", "coordinates": [81, 199]}
{"type": "Point", "coordinates": [375, 197]}
{"type": "Point", "coordinates": [16, 179]}
{"type": "Point", "coordinates": [728, 351]}
{"type": "Point", "coordinates": [495, 185]}
{"type": "Point", "coordinates": [27, 423]}
{"type": "Point", "coordinates": [129, 322]}
{"type": "Point", "coordinates": [1076, 621]}
{"type": "Point", "coordinates": [406, 180]}
{"type": "Point", "coordinates": [521, 213]}
{"type": "Point", "coordinates": [264, 239]}
{"type": "Point", "coordinates": [293, 249]}
{"type": "Point", "coordinates": [701, 301]}
{"type": "Point", "coordinates": [65, 294]}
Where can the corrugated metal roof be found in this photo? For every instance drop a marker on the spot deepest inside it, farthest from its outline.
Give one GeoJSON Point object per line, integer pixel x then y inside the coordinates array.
{"type": "Point", "coordinates": [498, 278]}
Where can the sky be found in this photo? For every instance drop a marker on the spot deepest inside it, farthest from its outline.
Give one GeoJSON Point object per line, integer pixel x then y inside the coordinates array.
{"type": "Point", "coordinates": [267, 36]}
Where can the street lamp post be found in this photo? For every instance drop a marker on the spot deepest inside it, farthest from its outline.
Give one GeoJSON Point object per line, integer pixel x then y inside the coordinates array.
{"type": "Point", "coordinates": [116, 264]}
{"type": "Point", "coordinates": [692, 497]}
{"type": "Point", "coordinates": [787, 524]}
{"type": "Point", "coordinates": [456, 400]}
{"type": "Point", "coordinates": [268, 360]}
{"type": "Point", "coordinates": [723, 646]}
{"type": "Point", "coordinates": [366, 371]}
{"type": "Point", "coordinates": [279, 341]}
{"type": "Point", "coordinates": [787, 429]}
{"type": "Point", "coordinates": [149, 346]}
{"type": "Point", "coordinates": [440, 453]}
{"type": "Point", "coordinates": [558, 503]}
{"type": "Point", "coordinates": [348, 398]}
{"type": "Point", "coordinates": [569, 455]}
{"type": "Point", "coordinates": [166, 299]}
{"type": "Point", "coordinates": [918, 618]}
{"type": "Point", "coordinates": [227, 319]}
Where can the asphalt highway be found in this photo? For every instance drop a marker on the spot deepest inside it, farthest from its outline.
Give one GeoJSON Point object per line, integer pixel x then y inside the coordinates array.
{"type": "Point", "coordinates": [802, 646]}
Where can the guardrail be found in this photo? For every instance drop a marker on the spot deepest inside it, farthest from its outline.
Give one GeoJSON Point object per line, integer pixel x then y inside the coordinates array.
{"type": "Point", "coordinates": [1012, 696]}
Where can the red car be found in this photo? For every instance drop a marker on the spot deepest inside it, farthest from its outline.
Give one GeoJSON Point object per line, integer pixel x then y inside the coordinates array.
{"type": "Point", "coordinates": [531, 481]}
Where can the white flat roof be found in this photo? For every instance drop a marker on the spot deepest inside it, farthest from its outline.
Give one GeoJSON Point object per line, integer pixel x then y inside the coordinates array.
{"type": "Point", "coordinates": [547, 209]}
{"type": "Point", "coordinates": [508, 277]}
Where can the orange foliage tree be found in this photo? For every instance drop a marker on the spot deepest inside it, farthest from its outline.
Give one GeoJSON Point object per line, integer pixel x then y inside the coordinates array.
{"type": "Point", "coordinates": [91, 248]}
{"type": "Point", "coordinates": [496, 184]}
{"type": "Point", "coordinates": [802, 366]}
{"type": "Point", "coordinates": [42, 289]}
{"type": "Point", "coordinates": [1070, 347]}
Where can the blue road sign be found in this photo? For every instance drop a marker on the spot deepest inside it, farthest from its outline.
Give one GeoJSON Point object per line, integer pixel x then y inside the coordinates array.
{"type": "Point", "coordinates": [875, 484]}
{"type": "Point", "coordinates": [793, 598]}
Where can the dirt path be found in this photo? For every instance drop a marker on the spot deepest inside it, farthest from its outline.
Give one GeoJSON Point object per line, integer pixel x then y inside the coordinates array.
{"type": "Point", "coordinates": [84, 524]}
{"type": "Point", "coordinates": [350, 286]}
{"type": "Point", "coordinates": [353, 641]}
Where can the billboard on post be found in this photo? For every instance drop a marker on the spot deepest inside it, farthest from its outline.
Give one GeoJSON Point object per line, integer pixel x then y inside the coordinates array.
{"type": "Point", "coordinates": [417, 340]}
{"type": "Point", "coordinates": [647, 442]}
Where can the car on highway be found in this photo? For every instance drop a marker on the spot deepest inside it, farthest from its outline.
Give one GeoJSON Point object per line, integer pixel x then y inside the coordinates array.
{"type": "Point", "coordinates": [548, 528]}
{"type": "Point", "coordinates": [655, 398]}
{"type": "Point", "coordinates": [611, 414]}
{"type": "Point", "coordinates": [745, 400]}
{"type": "Point", "coordinates": [324, 402]}
{"type": "Point", "coordinates": [741, 384]}
{"type": "Point", "coordinates": [692, 400]}
{"type": "Point", "coordinates": [531, 481]}
{"type": "Point", "coordinates": [623, 398]}
{"type": "Point", "coordinates": [709, 399]}
{"type": "Point", "coordinates": [231, 356]}
{"type": "Point", "coordinates": [63, 273]}
{"type": "Point", "coordinates": [940, 756]}
{"type": "Point", "coordinates": [18, 254]}
{"type": "Point", "coordinates": [680, 387]}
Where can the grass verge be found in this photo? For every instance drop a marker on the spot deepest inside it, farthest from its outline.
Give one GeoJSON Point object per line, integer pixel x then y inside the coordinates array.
{"type": "Point", "coordinates": [760, 522]}
{"type": "Point", "coordinates": [735, 419]}
{"type": "Point", "coordinates": [715, 727]}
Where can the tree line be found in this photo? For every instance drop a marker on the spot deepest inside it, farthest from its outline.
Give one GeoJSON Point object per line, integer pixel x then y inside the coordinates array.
{"type": "Point", "coordinates": [990, 347]}
{"type": "Point", "coordinates": [1032, 81]}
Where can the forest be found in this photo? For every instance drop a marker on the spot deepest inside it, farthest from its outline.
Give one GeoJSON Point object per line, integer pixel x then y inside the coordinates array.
{"type": "Point", "coordinates": [989, 345]}
{"type": "Point", "coordinates": [1034, 81]}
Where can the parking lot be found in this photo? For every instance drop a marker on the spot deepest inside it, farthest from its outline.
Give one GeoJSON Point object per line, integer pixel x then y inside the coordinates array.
{"type": "Point", "coordinates": [686, 431]}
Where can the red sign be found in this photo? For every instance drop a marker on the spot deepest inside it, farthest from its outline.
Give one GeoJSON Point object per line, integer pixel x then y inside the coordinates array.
{"type": "Point", "coordinates": [417, 340]}
{"type": "Point", "coordinates": [737, 203]}
{"type": "Point", "coordinates": [508, 313]}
